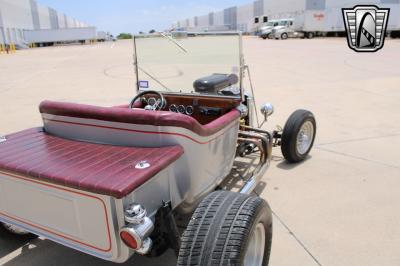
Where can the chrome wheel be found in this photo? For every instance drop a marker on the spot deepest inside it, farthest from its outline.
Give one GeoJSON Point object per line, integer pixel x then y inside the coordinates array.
{"type": "Point", "coordinates": [305, 137]}
{"type": "Point", "coordinates": [255, 251]}
{"type": "Point", "coordinates": [15, 230]}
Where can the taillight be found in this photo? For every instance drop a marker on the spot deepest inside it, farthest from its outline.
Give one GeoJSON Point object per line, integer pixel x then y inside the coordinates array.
{"type": "Point", "coordinates": [129, 240]}
{"type": "Point", "coordinates": [136, 233]}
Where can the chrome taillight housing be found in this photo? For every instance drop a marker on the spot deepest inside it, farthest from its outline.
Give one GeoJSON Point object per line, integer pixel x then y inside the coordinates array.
{"type": "Point", "coordinates": [135, 234]}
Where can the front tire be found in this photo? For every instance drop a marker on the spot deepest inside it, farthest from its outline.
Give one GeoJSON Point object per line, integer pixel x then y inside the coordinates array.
{"type": "Point", "coordinates": [284, 36]}
{"type": "Point", "coordinates": [228, 228]}
{"type": "Point", "coordinates": [298, 136]}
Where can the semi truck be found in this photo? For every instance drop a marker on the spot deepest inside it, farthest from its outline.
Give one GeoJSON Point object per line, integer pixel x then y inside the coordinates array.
{"type": "Point", "coordinates": [320, 17]}
{"type": "Point", "coordinates": [266, 30]}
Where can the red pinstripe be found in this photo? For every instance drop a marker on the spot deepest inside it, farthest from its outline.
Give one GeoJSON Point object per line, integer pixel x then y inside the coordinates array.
{"type": "Point", "coordinates": [140, 131]}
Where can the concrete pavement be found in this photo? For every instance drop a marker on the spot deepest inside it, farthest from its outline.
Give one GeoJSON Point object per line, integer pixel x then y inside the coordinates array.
{"type": "Point", "coordinates": [339, 207]}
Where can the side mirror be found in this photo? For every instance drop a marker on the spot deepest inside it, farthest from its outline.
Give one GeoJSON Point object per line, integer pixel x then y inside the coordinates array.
{"type": "Point", "coordinates": [267, 110]}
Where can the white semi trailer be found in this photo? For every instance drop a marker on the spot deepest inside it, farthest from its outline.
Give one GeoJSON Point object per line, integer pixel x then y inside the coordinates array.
{"type": "Point", "coordinates": [324, 17]}
{"type": "Point", "coordinates": [394, 19]}
{"type": "Point", "coordinates": [60, 35]}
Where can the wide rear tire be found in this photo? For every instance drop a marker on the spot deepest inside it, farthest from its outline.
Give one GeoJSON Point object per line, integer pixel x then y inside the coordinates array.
{"type": "Point", "coordinates": [298, 136]}
{"type": "Point", "coordinates": [228, 228]}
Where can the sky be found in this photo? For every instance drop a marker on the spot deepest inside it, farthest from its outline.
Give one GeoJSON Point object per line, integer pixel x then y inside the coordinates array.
{"type": "Point", "coordinates": [132, 16]}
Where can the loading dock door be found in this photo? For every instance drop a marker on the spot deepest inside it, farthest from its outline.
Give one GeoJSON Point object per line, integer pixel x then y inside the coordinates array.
{"type": "Point", "coordinates": [315, 4]}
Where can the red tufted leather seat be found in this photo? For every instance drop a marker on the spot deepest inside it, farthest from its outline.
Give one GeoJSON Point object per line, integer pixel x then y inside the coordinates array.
{"type": "Point", "coordinates": [101, 169]}
{"type": "Point", "coordinates": [138, 116]}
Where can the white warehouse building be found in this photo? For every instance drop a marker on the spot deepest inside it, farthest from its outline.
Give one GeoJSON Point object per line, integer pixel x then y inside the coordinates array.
{"type": "Point", "coordinates": [326, 14]}
{"type": "Point", "coordinates": [19, 16]}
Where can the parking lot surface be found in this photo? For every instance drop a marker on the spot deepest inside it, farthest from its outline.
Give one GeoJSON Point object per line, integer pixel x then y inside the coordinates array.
{"type": "Point", "coordinates": [339, 207]}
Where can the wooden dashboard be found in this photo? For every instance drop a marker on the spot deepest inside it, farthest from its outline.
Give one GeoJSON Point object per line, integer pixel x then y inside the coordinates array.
{"type": "Point", "coordinates": [203, 108]}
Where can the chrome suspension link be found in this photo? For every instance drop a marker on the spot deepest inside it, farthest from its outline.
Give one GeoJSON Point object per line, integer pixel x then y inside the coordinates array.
{"type": "Point", "coordinates": [264, 144]}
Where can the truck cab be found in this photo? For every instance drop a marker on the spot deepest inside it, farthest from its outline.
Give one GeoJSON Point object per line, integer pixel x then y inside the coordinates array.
{"type": "Point", "coordinates": [266, 30]}
{"type": "Point", "coordinates": [284, 30]}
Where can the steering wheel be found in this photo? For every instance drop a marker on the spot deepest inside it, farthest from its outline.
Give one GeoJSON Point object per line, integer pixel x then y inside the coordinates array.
{"type": "Point", "coordinates": [158, 105]}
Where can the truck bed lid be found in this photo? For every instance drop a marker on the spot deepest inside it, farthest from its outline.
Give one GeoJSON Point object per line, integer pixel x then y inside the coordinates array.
{"type": "Point", "coordinates": [101, 169]}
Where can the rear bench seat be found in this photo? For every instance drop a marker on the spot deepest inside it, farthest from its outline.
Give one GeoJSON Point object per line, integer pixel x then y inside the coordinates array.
{"type": "Point", "coordinates": [101, 169]}
{"type": "Point", "coordinates": [138, 116]}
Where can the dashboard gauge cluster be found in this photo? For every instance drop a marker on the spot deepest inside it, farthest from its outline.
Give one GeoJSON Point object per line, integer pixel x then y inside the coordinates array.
{"type": "Point", "coordinates": [189, 110]}
{"type": "Point", "coordinates": [173, 108]}
{"type": "Point", "coordinates": [181, 109]}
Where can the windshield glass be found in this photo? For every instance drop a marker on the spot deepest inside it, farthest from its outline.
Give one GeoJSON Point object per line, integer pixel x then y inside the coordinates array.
{"type": "Point", "coordinates": [270, 24]}
{"type": "Point", "coordinates": [283, 23]}
{"type": "Point", "coordinates": [176, 62]}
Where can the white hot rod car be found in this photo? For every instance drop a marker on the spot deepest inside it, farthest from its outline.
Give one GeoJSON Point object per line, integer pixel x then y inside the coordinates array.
{"type": "Point", "coordinates": [116, 181]}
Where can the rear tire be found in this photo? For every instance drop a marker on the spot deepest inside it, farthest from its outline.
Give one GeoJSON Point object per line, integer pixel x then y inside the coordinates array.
{"type": "Point", "coordinates": [298, 136]}
{"type": "Point", "coordinates": [310, 35]}
{"type": "Point", "coordinates": [228, 228]}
